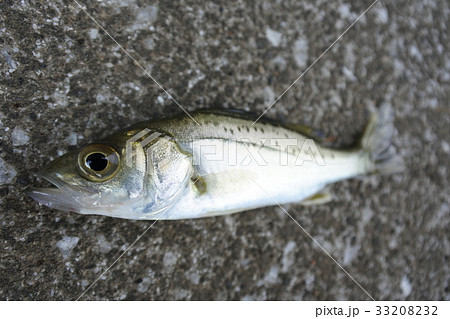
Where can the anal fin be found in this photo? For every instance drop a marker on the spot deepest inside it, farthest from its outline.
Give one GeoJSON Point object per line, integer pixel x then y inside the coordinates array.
{"type": "Point", "coordinates": [319, 198]}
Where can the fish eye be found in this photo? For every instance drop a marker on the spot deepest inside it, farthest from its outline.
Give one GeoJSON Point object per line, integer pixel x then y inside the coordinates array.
{"type": "Point", "coordinates": [98, 162]}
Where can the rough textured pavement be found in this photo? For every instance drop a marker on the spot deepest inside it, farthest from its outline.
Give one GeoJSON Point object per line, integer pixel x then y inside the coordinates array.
{"type": "Point", "coordinates": [64, 82]}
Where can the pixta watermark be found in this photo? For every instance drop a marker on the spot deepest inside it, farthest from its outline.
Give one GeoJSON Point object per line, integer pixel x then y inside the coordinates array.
{"type": "Point", "coordinates": [227, 152]}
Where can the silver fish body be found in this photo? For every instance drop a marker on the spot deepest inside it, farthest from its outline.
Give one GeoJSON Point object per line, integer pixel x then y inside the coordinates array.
{"type": "Point", "coordinates": [175, 169]}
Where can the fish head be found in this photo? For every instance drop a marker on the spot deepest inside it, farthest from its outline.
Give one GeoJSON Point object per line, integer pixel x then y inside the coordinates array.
{"type": "Point", "coordinates": [119, 177]}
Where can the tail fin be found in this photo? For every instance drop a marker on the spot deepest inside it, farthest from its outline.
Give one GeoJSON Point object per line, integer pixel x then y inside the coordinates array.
{"type": "Point", "coordinates": [376, 143]}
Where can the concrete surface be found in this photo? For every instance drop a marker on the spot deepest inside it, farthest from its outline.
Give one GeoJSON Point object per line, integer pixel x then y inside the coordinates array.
{"type": "Point", "coordinates": [64, 82]}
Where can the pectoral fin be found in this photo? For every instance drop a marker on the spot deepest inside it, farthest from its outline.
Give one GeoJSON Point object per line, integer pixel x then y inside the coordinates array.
{"type": "Point", "coordinates": [319, 198]}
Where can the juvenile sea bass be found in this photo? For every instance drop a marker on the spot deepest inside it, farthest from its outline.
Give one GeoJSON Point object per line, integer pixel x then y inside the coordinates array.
{"type": "Point", "coordinates": [174, 168]}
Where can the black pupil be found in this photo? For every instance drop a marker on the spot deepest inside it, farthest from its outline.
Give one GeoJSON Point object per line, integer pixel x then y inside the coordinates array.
{"type": "Point", "coordinates": [97, 161]}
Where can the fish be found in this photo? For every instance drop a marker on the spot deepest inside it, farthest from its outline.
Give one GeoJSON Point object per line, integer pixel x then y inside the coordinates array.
{"type": "Point", "coordinates": [219, 164]}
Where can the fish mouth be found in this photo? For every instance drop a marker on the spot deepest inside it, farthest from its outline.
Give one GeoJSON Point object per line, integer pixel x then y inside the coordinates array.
{"type": "Point", "coordinates": [63, 196]}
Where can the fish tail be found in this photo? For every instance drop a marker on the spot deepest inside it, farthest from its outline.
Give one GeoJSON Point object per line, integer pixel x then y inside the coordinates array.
{"type": "Point", "coordinates": [376, 143]}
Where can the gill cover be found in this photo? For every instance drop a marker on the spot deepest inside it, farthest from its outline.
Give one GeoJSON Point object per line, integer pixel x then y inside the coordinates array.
{"type": "Point", "coordinates": [168, 173]}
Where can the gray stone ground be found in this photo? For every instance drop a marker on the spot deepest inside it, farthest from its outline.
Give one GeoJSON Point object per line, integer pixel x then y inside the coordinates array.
{"type": "Point", "coordinates": [64, 82]}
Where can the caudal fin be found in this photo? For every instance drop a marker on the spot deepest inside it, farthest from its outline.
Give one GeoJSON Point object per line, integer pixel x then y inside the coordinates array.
{"type": "Point", "coordinates": [376, 142]}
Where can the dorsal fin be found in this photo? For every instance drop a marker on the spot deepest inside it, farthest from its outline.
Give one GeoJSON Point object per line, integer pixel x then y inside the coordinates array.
{"type": "Point", "coordinates": [235, 113]}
